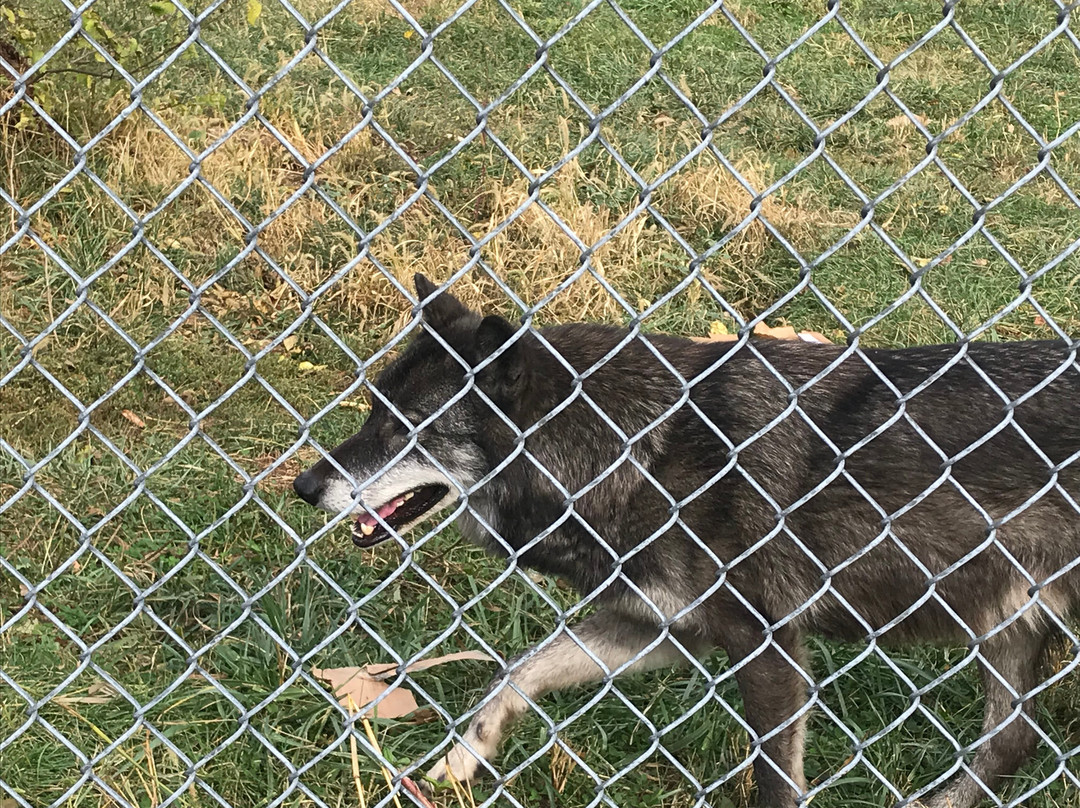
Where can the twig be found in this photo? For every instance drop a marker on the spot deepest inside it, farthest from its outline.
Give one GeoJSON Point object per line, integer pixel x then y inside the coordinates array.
{"type": "Point", "coordinates": [354, 759]}
{"type": "Point", "coordinates": [386, 772]}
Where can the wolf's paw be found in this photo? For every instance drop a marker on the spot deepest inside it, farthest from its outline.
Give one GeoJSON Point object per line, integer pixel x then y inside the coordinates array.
{"type": "Point", "coordinates": [459, 764]}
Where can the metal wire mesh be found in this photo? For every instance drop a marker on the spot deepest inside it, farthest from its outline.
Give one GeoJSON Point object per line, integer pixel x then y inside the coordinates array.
{"type": "Point", "coordinates": [299, 664]}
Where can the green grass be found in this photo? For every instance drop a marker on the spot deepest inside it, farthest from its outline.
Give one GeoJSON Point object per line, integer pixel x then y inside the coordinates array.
{"type": "Point", "coordinates": [313, 109]}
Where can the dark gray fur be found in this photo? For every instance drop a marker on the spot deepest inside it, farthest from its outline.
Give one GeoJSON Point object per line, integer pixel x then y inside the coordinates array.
{"type": "Point", "coordinates": [740, 397]}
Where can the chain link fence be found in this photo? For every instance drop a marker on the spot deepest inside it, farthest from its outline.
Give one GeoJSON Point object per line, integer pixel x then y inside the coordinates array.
{"type": "Point", "coordinates": [90, 599]}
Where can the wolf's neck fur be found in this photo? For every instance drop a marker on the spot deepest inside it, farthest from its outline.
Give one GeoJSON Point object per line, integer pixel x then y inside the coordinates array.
{"type": "Point", "coordinates": [582, 465]}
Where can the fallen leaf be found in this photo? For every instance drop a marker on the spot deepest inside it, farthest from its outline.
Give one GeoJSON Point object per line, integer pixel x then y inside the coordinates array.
{"type": "Point", "coordinates": [290, 342]}
{"type": "Point", "coordinates": [24, 590]}
{"type": "Point", "coordinates": [762, 330]}
{"type": "Point", "coordinates": [100, 688]}
{"type": "Point", "coordinates": [780, 332]}
{"type": "Point", "coordinates": [203, 676]}
{"type": "Point", "coordinates": [717, 338]}
{"type": "Point", "coordinates": [97, 693]}
{"type": "Point", "coordinates": [362, 688]}
{"type": "Point", "coordinates": [70, 700]}
{"type": "Point", "coordinates": [254, 9]}
{"type": "Point", "coordinates": [900, 121]}
{"type": "Point", "coordinates": [139, 422]}
{"type": "Point", "coordinates": [425, 715]}
{"type": "Point", "coordinates": [717, 329]}
{"type": "Point", "coordinates": [1040, 320]}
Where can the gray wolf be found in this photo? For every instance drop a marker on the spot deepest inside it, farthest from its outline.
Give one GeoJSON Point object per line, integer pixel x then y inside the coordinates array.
{"type": "Point", "coordinates": [900, 500]}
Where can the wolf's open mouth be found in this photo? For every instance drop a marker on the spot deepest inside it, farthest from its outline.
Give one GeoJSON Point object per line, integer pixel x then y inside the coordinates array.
{"type": "Point", "coordinates": [400, 511]}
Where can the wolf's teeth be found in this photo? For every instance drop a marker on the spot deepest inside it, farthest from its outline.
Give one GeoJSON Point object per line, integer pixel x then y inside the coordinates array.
{"type": "Point", "coordinates": [398, 503]}
{"type": "Point", "coordinates": [367, 529]}
{"type": "Point", "coordinates": [409, 495]}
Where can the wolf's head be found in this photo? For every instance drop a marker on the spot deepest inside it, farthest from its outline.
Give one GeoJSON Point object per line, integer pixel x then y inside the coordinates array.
{"type": "Point", "coordinates": [423, 394]}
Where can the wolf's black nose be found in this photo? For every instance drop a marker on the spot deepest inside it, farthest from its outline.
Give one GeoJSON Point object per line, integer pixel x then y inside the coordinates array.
{"type": "Point", "coordinates": [309, 487]}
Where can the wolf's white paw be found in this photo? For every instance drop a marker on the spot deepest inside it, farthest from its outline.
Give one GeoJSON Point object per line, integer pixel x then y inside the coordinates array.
{"type": "Point", "coordinates": [459, 762]}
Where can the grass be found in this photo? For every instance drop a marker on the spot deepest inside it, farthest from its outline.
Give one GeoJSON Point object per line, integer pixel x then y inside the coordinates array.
{"type": "Point", "coordinates": [254, 173]}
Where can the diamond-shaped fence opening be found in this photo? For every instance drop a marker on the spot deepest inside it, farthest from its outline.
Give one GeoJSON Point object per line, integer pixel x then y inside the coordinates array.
{"type": "Point", "coordinates": [211, 217]}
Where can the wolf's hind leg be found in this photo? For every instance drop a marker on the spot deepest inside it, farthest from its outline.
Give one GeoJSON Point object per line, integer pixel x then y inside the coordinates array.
{"type": "Point", "coordinates": [1015, 655]}
{"type": "Point", "coordinates": [562, 663]}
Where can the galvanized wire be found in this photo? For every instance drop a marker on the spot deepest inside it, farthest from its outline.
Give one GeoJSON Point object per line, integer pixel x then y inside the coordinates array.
{"type": "Point", "coordinates": [299, 663]}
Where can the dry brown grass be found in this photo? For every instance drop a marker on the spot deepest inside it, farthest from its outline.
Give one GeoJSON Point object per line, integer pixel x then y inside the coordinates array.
{"type": "Point", "coordinates": [316, 9]}
{"type": "Point", "coordinates": [532, 254]}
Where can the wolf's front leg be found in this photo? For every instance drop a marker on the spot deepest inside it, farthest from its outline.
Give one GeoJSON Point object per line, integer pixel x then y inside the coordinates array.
{"type": "Point", "coordinates": [774, 698]}
{"type": "Point", "coordinates": [614, 640]}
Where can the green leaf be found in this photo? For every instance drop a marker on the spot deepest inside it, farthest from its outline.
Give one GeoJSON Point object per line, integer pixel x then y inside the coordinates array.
{"type": "Point", "coordinates": [254, 9]}
{"type": "Point", "coordinates": [213, 100]}
{"type": "Point", "coordinates": [25, 119]}
{"type": "Point", "coordinates": [163, 8]}
{"type": "Point", "coordinates": [95, 26]}
{"type": "Point", "coordinates": [128, 49]}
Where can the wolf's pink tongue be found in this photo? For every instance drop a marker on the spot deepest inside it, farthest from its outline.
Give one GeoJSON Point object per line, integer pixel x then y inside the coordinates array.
{"type": "Point", "coordinates": [389, 508]}
{"type": "Point", "coordinates": [383, 511]}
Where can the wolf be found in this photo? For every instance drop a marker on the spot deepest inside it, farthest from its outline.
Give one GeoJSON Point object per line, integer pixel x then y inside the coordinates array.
{"type": "Point", "coordinates": [739, 496]}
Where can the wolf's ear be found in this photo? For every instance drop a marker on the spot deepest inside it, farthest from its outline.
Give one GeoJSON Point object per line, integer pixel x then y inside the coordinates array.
{"type": "Point", "coordinates": [424, 287]}
{"type": "Point", "coordinates": [502, 377]}
{"type": "Point", "coordinates": [440, 310]}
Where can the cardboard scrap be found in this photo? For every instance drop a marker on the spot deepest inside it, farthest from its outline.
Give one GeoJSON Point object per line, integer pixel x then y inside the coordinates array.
{"type": "Point", "coordinates": [762, 330]}
{"type": "Point", "coordinates": [385, 671]}
{"type": "Point", "coordinates": [359, 687]}
{"type": "Point", "coordinates": [362, 685]}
